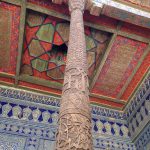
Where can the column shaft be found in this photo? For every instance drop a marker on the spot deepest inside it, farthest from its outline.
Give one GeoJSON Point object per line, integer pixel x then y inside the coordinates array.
{"type": "Point", "coordinates": [74, 131]}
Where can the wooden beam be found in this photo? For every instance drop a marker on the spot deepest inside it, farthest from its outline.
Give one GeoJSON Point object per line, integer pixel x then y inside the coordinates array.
{"type": "Point", "coordinates": [105, 56]}
{"type": "Point", "coordinates": [47, 11]}
{"type": "Point", "coordinates": [108, 98]}
{"type": "Point", "coordinates": [106, 106]}
{"type": "Point", "coordinates": [133, 36]}
{"type": "Point", "coordinates": [42, 82]}
{"type": "Point", "coordinates": [140, 82]}
{"type": "Point", "coordinates": [14, 2]}
{"type": "Point", "coordinates": [30, 89]}
{"type": "Point", "coordinates": [56, 95]}
{"type": "Point", "coordinates": [6, 84]}
{"type": "Point", "coordinates": [138, 87]}
{"type": "Point", "coordinates": [39, 91]}
{"type": "Point", "coordinates": [94, 79]}
{"type": "Point", "coordinates": [103, 61]}
{"type": "Point", "coordinates": [21, 39]}
{"type": "Point", "coordinates": [134, 72]}
{"type": "Point", "coordinates": [55, 85]}
{"type": "Point", "coordinates": [6, 75]}
{"type": "Point", "coordinates": [65, 17]}
{"type": "Point", "coordinates": [99, 27]}
{"type": "Point", "coordinates": [89, 24]}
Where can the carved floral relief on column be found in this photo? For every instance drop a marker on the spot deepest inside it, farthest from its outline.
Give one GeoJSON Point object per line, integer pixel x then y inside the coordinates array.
{"type": "Point", "coordinates": [74, 130]}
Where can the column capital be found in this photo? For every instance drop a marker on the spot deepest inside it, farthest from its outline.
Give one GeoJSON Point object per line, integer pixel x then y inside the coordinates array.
{"type": "Point", "coordinates": [76, 4]}
{"type": "Point", "coordinates": [80, 4]}
{"type": "Point", "coordinates": [94, 8]}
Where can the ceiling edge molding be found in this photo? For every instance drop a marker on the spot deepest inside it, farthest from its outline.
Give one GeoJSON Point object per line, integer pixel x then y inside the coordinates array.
{"type": "Point", "coordinates": [30, 96]}
{"type": "Point", "coordinates": [124, 7]}
{"type": "Point", "coordinates": [139, 94]}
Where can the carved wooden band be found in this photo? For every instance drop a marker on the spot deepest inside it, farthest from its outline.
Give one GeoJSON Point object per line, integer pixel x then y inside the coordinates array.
{"type": "Point", "coordinates": [75, 111]}
{"type": "Point", "coordinates": [76, 4]}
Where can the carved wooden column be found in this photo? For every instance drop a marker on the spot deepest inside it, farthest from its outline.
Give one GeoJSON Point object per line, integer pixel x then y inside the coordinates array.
{"type": "Point", "coordinates": [74, 131]}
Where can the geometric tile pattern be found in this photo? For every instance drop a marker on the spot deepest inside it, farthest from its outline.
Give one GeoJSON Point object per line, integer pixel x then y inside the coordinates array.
{"type": "Point", "coordinates": [11, 142]}
{"type": "Point", "coordinates": [37, 122]}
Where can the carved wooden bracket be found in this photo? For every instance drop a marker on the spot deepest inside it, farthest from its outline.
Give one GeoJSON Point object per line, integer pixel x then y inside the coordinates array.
{"type": "Point", "coordinates": [96, 9]}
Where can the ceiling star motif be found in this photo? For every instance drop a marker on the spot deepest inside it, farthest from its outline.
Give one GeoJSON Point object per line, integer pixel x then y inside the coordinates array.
{"type": "Point", "coordinates": [47, 44]}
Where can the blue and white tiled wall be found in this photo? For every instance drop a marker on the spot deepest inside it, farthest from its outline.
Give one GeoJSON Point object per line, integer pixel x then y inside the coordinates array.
{"type": "Point", "coordinates": [28, 121]}
{"type": "Point", "coordinates": [138, 116]}
{"type": "Point", "coordinates": [32, 119]}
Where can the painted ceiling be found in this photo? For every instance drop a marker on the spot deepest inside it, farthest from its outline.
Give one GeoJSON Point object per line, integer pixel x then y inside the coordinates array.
{"type": "Point", "coordinates": [145, 3]}
{"type": "Point", "coordinates": [34, 45]}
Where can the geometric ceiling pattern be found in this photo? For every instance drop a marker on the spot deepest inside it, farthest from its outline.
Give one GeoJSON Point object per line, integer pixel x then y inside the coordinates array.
{"type": "Point", "coordinates": [46, 45]}
{"type": "Point", "coordinates": [117, 63]}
